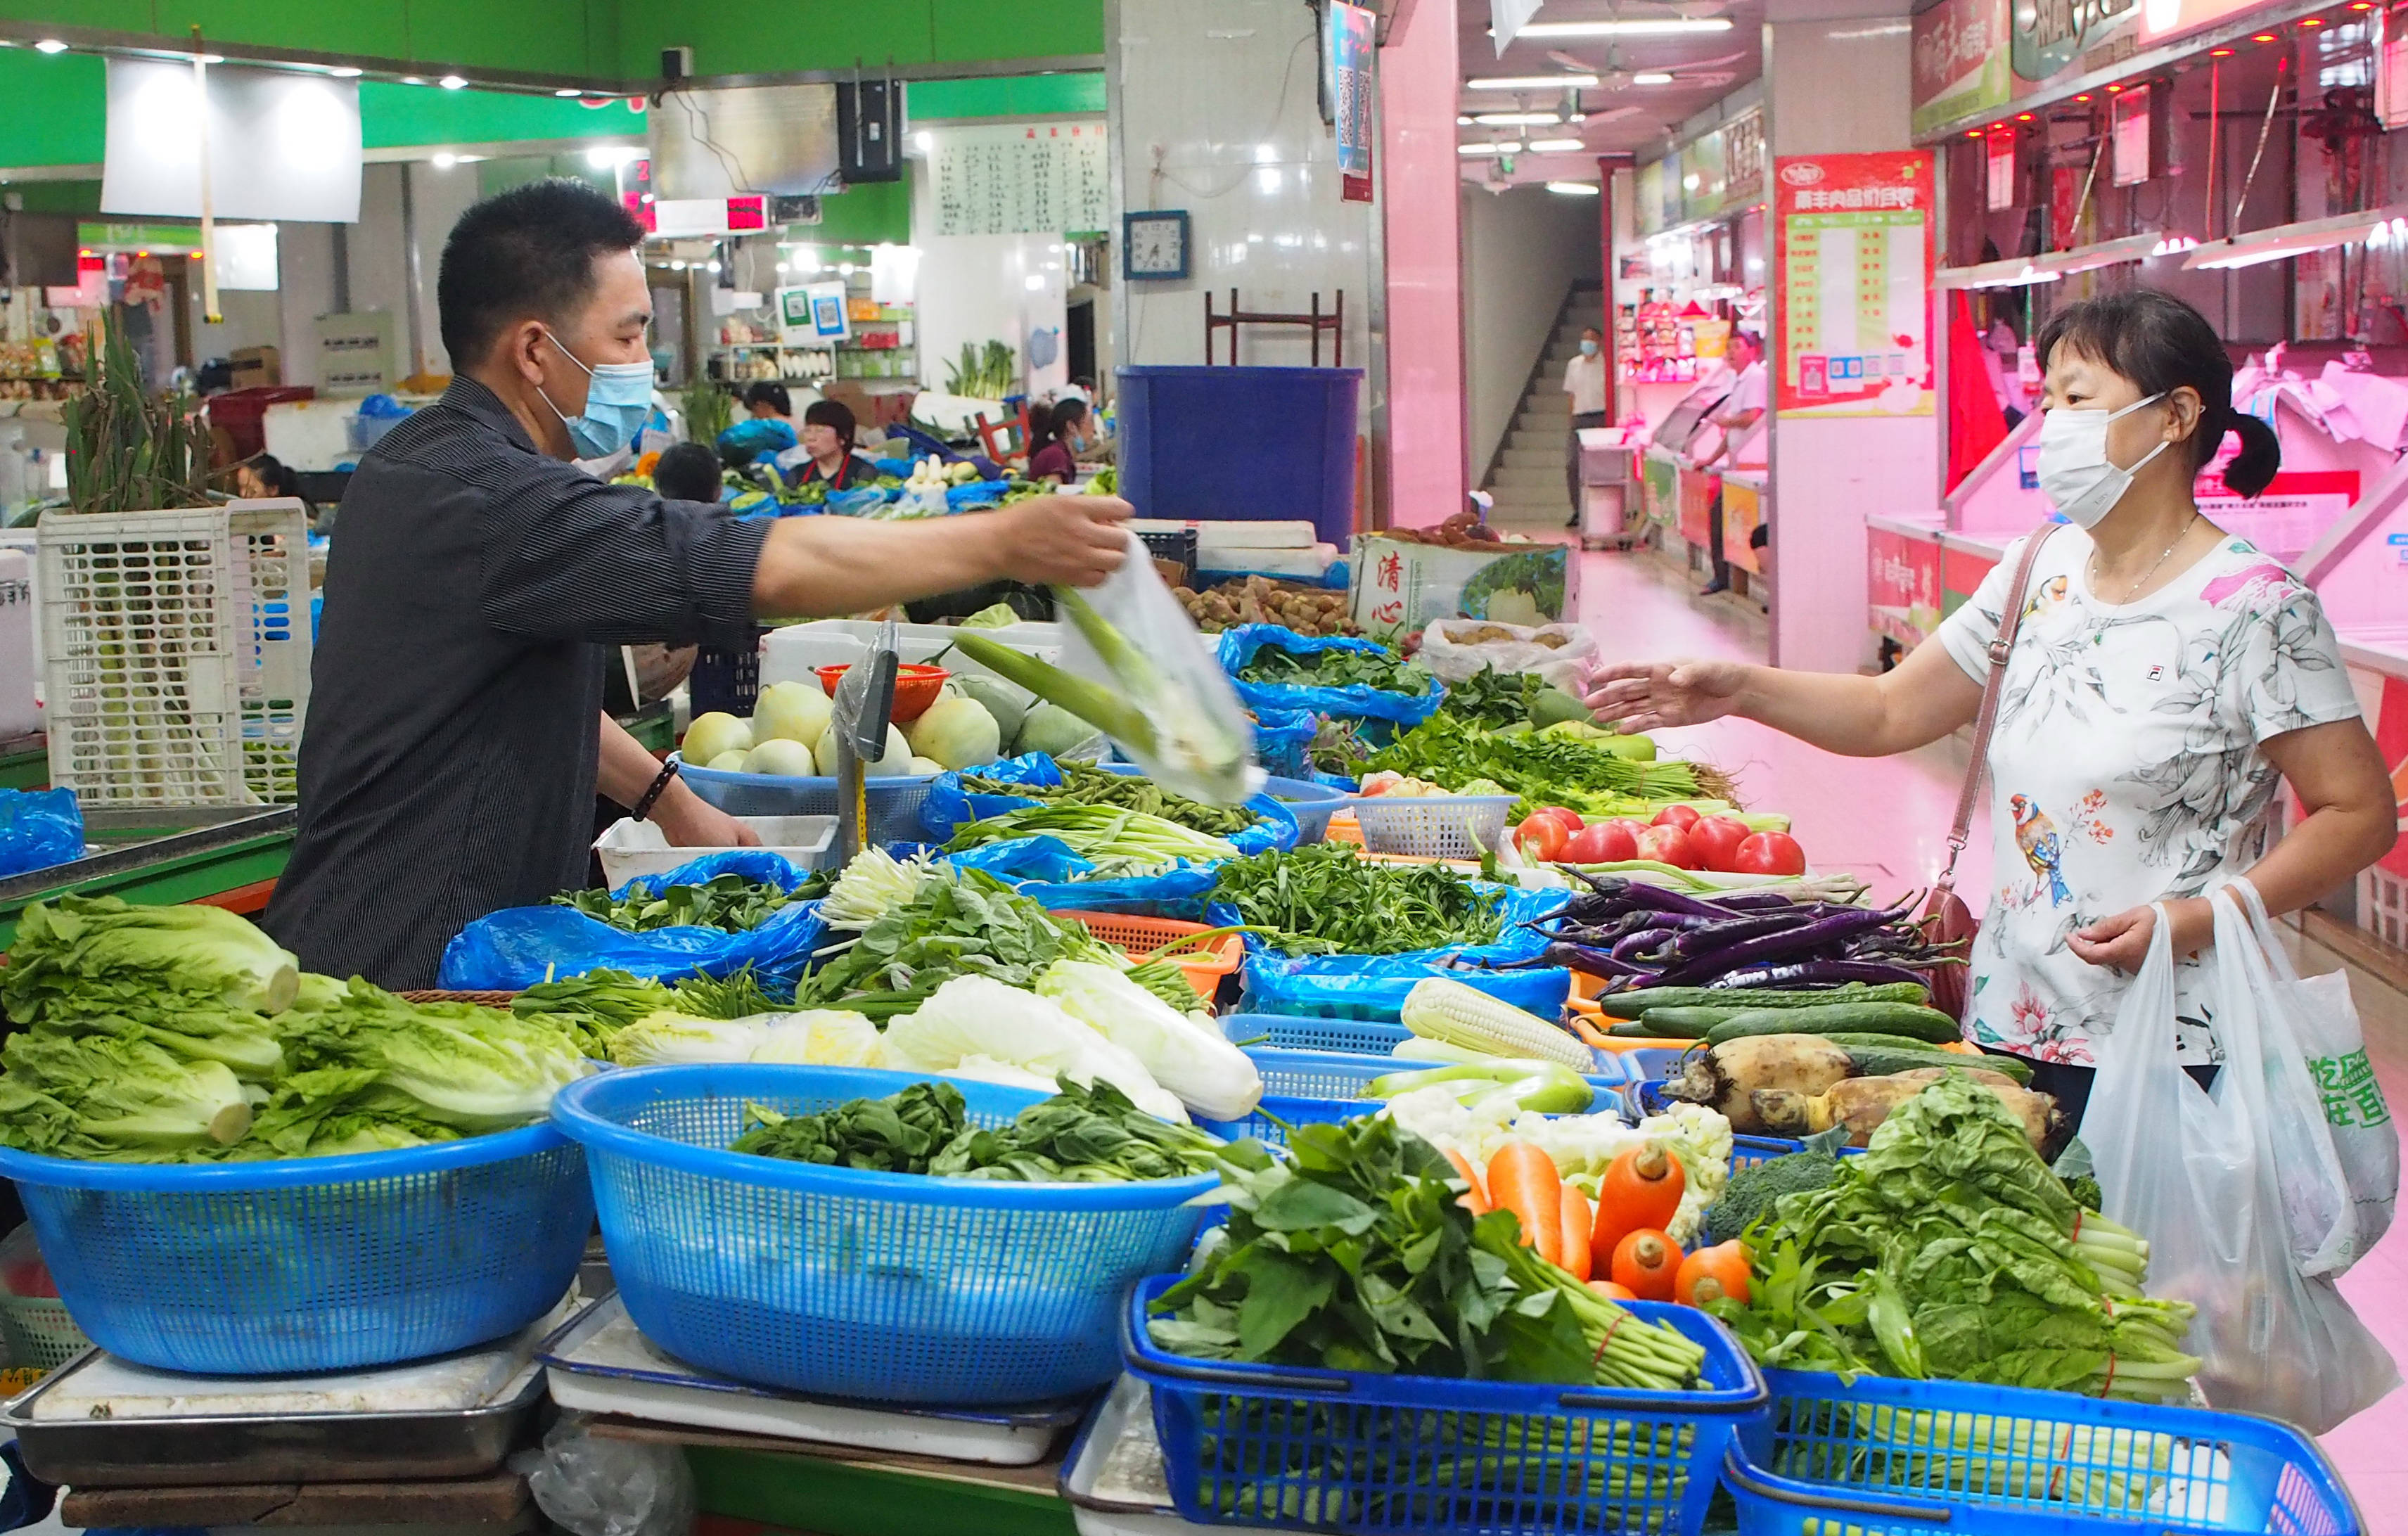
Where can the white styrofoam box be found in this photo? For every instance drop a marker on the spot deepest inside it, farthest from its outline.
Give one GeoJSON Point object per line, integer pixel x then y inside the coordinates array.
{"type": "Point", "coordinates": [312, 434]}
{"type": "Point", "coordinates": [1311, 561]}
{"type": "Point", "coordinates": [20, 657]}
{"type": "Point", "coordinates": [27, 543]}
{"type": "Point", "coordinates": [176, 649]}
{"type": "Point", "coordinates": [1238, 533]}
{"type": "Point", "coordinates": [791, 654]}
{"type": "Point", "coordinates": [632, 848]}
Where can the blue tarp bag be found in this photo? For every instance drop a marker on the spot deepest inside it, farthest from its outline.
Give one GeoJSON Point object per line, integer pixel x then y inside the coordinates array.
{"type": "Point", "coordinates": [1045, 871]}
{"type": "Point", "coordinates": [748, 441]}
{"type": "Point", "coordinates": [1354, 700]}
{"type": "Point", "coordinates": [521, 946]}
{"type": "Point", "coordinates": [1283, 742]}
{"type": "Point", "coordinates": [40, 827]}
{"type": "Point", "coordinates": [949, 805]}
{"type": "Point", "coordinates": [976, 493]}
{"type": "Point", "coordinates": [1373, 987]}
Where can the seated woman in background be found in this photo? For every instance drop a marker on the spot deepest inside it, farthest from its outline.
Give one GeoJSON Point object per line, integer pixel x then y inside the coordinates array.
{"type": "Point", "coordinates": [829, 432]}
{"type": "Point", "coordinates": [263, 475]}
{"type": "Point", "coordinates": [767, 401]}
{"type": "Point", "coordinates": [1055, 436]}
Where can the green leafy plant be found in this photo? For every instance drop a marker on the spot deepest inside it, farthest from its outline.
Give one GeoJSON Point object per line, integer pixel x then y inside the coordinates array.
{"type": "Point", "coordinates": [708, 411]}
{"type": "Point", "coordinates": [983, 373]}
{"type": "Point", "coordinates": [129, 449]}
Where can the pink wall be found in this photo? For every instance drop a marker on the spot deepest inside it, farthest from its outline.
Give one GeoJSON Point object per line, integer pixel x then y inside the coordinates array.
{"type": "Point", "coordinates": [1419, 188]}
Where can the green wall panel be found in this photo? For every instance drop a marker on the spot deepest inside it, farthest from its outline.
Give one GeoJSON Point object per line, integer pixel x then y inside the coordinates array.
{"type": "Point", "coordinates": [868, 214]}
{"type": "Point", "coordinates": [798, 35]}
{"type": "Point", "coordinates": [114, 14]}
{"type": "Point", "coordinates": [547, 37]}
{"type": "Point", "coordinates": [1006, 95]}
{"type": "Point", "coordinates": [394, 115]}
{"type": "Point", "coordinates": [970, 30]}
{"type": "Point", "coordinates": [59, 196]}
{"type": "Point", "coordinates": [57, 108]}
{"type": "Point", "coordinates": [375, 28]}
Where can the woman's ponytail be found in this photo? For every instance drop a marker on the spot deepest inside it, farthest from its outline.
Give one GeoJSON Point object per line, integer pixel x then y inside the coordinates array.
{"type": "Point", "coordinates": [2252, 469]}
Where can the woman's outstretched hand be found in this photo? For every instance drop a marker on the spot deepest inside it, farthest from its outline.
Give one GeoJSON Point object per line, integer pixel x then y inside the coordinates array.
{"type": "Point", "coordinates": [1640, 696]}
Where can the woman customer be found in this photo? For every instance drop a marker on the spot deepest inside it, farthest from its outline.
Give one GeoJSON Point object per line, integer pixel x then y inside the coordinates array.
{"type": "Point", "coordinates": [1056, 437]}
{"type": "Point", "coordinates": [2168, 678]}
{"type": "Point", "coordinates": [829, 432]}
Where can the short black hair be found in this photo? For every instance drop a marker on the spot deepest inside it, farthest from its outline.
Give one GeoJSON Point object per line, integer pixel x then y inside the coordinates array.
{"type": "Point", "coordinates": [687, 472]}
{"type": "Point", "coordinates": [770, 393]}
{"type": "Point", "coordinates": [833, 414]}
{"type": "Point", "coordinates": [2162, 344]}
{"type": "Point", "coordinates": [527, 251]}
{"type": "Point", "coordinates": [1059, 418]}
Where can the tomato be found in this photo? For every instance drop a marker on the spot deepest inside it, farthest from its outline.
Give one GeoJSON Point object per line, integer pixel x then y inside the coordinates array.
{"type": "Point", "coordinates": [1682, 816]}
{"type": "Point", "coordinates": [1379, 788]}
{"type": "Point", "coordinates": [1541, 837]}
{"type": "Point", "coordinates": [1607, 842]}
{"type": "Point", "coordinates": [1628, 823]}
{"type": "Point", "coordinates": [1565, 814]}
{"type": "Point", "coordinates": [1771, 853]}
{"type": "Point", "coordinates": [1716, 838]}
{"type": "Point", "coordinates": [1667, 845]}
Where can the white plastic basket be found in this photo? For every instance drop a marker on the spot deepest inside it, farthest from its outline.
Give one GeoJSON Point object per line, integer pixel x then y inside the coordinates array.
{"type": "Point", "coordinates": [631, 848]}
{"type": "Point", "coordinates": [2383, 905]}
{"type": "Point", "coordinates": [1432, 825]}
{"type": "Point", "coordinates": [176, 653]}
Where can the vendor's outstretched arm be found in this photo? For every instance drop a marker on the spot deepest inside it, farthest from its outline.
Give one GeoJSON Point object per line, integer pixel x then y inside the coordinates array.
{"type": "Point", "coordinates": [817, 566]}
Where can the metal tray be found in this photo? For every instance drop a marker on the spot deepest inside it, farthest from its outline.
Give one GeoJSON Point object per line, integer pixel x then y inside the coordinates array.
{"type": "Point", "coordinates": [600, 1363]}
{"type": "Point", "coordinates": [216, 1450]}
{"type": "Point", "coordinates": [1105, 1504]}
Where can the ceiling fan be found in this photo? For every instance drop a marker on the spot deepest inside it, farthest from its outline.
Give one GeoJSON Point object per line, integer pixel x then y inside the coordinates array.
{"type": "Point", "coordinates": [1616, 76]}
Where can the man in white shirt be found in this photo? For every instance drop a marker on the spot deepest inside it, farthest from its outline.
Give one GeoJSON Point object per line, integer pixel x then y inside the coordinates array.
{"type": "Point", "coordinates": [1584, 381]}
{"type": "Point", "coordinates": [1740, 416]}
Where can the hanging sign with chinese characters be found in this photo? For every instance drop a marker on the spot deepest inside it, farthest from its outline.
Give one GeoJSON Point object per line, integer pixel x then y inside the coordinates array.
{"type": "Point", "coordinates": [1853, 258]}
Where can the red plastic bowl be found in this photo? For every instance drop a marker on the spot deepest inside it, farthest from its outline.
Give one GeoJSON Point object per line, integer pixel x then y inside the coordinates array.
{"type": "Point", "coordinates": [916, 685]}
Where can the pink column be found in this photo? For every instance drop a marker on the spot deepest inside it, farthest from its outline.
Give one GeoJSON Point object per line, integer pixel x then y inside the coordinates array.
{"type": "Point", "coordinates": [1420, 189]}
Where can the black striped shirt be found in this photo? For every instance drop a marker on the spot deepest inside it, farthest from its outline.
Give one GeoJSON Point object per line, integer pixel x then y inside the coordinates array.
{"type": "Point", "coordinates": [447, 766]}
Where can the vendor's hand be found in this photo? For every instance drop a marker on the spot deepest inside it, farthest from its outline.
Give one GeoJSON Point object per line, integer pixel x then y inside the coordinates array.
{"type": "Point", "coordinates": [2121, 943]}
{"type": "Point", "coordinates": [1641, 696]}
{"type": "Point", "coordinates": [1071, 540]}
{"type": "Point", "coordinates": [689, 821]}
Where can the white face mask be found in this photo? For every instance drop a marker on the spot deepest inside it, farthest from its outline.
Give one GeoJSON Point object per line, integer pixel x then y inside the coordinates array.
{"type": "Point", "coordinates": [2075, 473]}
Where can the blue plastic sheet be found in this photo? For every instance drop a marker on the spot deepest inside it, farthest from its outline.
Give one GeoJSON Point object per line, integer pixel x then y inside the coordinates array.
{"type": "Point", "coordinates": [749, 439]}
{"type": "Point", "coordinates": [1355, 701]}
{"type": "Point", "coordinates": [1045, 871]}
{"type": "Point", "coordinates": [521, 946]}
{"type": "Point", "coordinates": [977, 493]}
{"type": "Point", "coordinates": [40, 827]}
{"type": "Point", "coordinates": [949, 805]}
{"type": "Point", "coordinates": [1338, 987]}
{"type": "Point", "coordinates": [860, 503]}
{"type": "Point", "coordinates": [1283, 739]}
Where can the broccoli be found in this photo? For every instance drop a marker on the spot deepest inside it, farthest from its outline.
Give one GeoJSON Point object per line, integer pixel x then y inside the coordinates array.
{"type": "Point", "coordinates": [1753, 1191]}
{"type": "Point", "coordinates": [2084, 1190]}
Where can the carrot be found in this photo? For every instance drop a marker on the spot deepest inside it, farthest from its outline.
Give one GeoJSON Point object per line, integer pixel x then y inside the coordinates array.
{"type": "Point", "coordinates": [1641, 1189]}
{"type": "Point", "coordinates": [1576, 1256]}
{"type": "Point", "coordinates": [1523, 1180]}
{"type": "Point", "coordinates": [1474, 1199]}
{"type": "Point", "coordinates": [1649, 1262]}
{"type": "Point", "coordinates": [1711, 1272]}
{"type": "Point", "coordinates": [1610, 1291]}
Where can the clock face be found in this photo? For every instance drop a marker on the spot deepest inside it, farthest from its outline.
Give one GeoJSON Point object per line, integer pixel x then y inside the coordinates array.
{"type": "Point", "coordinates": [1157, 245]}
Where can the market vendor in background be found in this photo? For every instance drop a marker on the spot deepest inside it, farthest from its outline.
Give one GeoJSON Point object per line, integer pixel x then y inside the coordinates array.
{"type": "Point", "coordinates": [1056, 437]}
{"type": "Point", "coordinates": [1741, 417]}
{"type": "Point", "coordinates": [767, 401]}
{"type": "Point", "coordinates": [2167, 681]}
{"type": "Point", "coordinates": [829, 433]}
{"type": "Point", "coordinates": [456, 736]}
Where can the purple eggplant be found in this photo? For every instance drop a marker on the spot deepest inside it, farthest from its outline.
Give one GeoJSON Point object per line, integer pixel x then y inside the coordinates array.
{"type": "Point", "coordinates": [1597, 962]}
{"type": "Point", "coordinates": [1644, 940]}
{"type": "Point", "coordinates": [1826, 933]}
{"type": "Point", "coordinates": [1755, 902]}
{"type": "Point", "coordinates": [1709, 936]}
{"type": "Point", "coordinates": [1663, 898]}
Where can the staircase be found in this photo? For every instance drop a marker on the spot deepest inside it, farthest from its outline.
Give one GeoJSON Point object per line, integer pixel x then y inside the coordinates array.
{"type": "Point", "coordinates": [1527, 475]}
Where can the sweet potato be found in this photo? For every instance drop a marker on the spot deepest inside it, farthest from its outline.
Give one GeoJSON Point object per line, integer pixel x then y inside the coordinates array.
{"type": "Point", "coordinates": [1862, 1104]}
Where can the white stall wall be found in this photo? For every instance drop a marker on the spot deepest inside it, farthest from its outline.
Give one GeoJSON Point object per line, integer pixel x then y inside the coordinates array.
{"type": "Point", "coordinates": [251, 319]}
{"type": "Point", "coordinates": [1216, 112]}
{"type": "Point", "coordinates": [379, 265]}
{"type": "Point", "coordinates": [980, 288]}
{"type": "Point", "coordinates": [305, 264]}
{"type": "Point", "coordinates": [1523, 249]}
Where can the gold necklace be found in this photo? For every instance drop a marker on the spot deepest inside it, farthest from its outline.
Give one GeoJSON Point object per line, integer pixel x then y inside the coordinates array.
{"type": "Point", "coordinates": [2133, 591]}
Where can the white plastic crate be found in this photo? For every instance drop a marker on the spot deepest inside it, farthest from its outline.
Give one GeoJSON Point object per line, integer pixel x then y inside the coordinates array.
{"type": "Point", "coordinates": [2383, 905]}
{"type": "Point", "coordinates": [1454, 827]}
{"type": "Point", "coordinates": [176, 653]}
{"type": "Point", "coordinates": [631, 848]}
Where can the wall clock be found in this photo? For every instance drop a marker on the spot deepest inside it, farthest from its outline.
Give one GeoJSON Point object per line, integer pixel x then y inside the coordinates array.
{"type": "Point", "coordinates": [1154, 244]}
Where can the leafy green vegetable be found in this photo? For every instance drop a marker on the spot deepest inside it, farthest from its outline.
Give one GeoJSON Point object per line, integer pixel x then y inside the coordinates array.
{"type": "Point", "coordinates": [1337, 667]}
{"type": "Point", "coordinates": [1753, 1191]}
{"type": "Point", "coordinates": [1116, 841]}
{"type": "Point", "coordinates": [474, 1069]}
{"type": "Point", "coordinates": [82, 943]}
{"type": "Point", "coordinates": [729, 901]}
{"type": "Point", "coordinates": [899, 1134]}
{"type": "Point", "coordinates": [1491, 700]}
{"type": "Point", "coordinates": [1326, 898]}
{"type": "Point", "coordinates": [1544, 769]}
{"type": "Point", "coordinates": [115, 1100]}
{"type": "Point", "coordinates": [1950, 1250]}
{"type": "Point", "coordinates": [1085, 783]}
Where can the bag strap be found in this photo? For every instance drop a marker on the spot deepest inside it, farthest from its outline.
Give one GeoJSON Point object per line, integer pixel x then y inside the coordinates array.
{"type": "Point", "coordinates": [2010, 621]}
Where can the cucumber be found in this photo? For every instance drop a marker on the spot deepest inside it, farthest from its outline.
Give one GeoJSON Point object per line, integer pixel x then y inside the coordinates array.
{"type": "Point", "coordinates": [1684, 1022]}
{"type": "Point", "coordinates": [1879, 1055]}
{"type": "Point", "coordinates": [1631, 1005]}
{"type": "Point", "coordinates": [1908, 1020]}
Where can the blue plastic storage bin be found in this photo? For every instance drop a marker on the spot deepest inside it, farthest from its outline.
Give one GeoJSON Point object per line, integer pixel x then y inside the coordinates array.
{"type": "Point", "coordinates": [895, 799]}
{"type": "Point", "coordinates": [311, 1263]}
{"type": "Point", "coordinates": [1315, 1032]}
{"type": "Point", "coordinates": [1278, 984]}
{"type": "Point", "coordinates": [881, 1286]}
{"type": "Point", "coordinates": [1248, 443]}
{"type": "Point", "coordinates": [1832, 1455]}
{"type": "Point", "coordinates": [1293, 1446]}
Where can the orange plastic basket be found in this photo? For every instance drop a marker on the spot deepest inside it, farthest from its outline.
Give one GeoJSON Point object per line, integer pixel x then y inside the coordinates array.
{"type": "Point", "coordinates": [1143, 935]}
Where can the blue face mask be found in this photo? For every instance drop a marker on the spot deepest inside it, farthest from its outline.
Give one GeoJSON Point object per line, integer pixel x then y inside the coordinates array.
{"type": "Point", "coordinates": [1588, 348]}
{"type": "Point", "coordinates": [617, 399]}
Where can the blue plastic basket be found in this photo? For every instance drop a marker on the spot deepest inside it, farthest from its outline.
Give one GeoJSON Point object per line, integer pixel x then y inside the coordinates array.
{"type": "Point", "coordinates": [1832, 1457]}
{"type": "Point", "coordinates": [1305, 1087]}
{"type": "Point", "coordinates": [1289, 1446]}
{"type": "Point", "coordinates": [1381, 999]}
{"type": "Point", "coordinates": [1205, 442]}
{"type": "Point", "coordinates": [311, 1263]}
{"type": "Point", "coordinates": [895, 799]}
{"type": "Point", "coordinates": [1312, 804]}
{"type": "Point", "coordinates": [835, 1282]}
{"type": "Point", "coordinates": [1375, 1037]}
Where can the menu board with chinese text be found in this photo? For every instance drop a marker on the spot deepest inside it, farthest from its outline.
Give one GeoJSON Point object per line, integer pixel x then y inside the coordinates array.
{"type": "Point", "coordinates": [1023, 178]}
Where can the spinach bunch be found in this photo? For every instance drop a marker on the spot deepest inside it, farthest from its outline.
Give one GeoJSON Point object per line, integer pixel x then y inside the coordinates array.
{"type": "Point", "coordinates": [902, 1133]}
{"type": "Point", "coordinates": [1082, 1135]}
{"type": "Point", "coordinates": [1337, 667]}
{"type": "Point", "coordinates": [1492, 700]}
{"type": "Point", "coordinates": [1326, 899]}
{"type": "Point", "coordinates": [1542, 770]}
{"type": "Point", "coordinates": [728, 902]}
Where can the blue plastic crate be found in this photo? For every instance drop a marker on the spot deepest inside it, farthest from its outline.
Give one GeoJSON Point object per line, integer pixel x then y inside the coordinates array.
{"type": "Point", "coordinates": [835, 1282]}
{"type": "Point", "coordinates": [1306, 1087]}
{"type": "Point", "coordinates": [1312, 804]}
{"type": "Point", "coordinates": [1206, 443]}
{"type": "Point", "coordinates": [1367, 1039]}
{"type": "Point", "coordinates": [311, 1263]}
{"type": "Point", "coordinates": [1646, 1098]}
{"type": "Point", "coordinates": [1290, 1446]}
{"type": "Point", "coordinates": [1380, 999]}
{"type": "Point", "coordinates": [1856, 1456]}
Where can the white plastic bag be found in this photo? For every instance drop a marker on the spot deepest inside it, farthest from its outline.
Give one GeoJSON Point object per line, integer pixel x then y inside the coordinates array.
{"type": "Point", "coordinates": [2342, 1095]}
{"type": "Point", "coordinates": [1560, 654]}
{"type": "Point", "coordinates": [592, 1486]}
{"type": "Point", "coordinates": [2194, 1172]}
